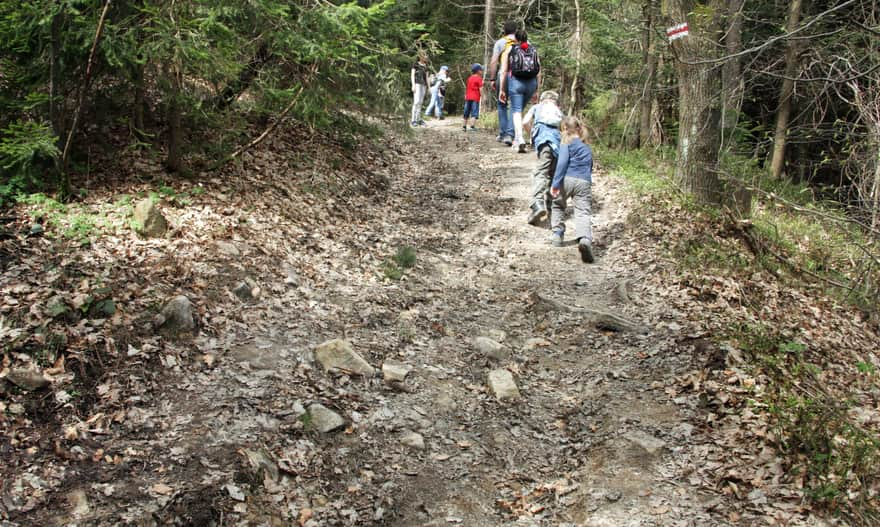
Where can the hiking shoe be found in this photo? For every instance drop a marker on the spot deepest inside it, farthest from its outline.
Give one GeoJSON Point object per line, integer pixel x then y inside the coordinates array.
{"type": "Point", "coordinates": [499, 138]}
{"type": "Point", "coordinates": [441, 118]}
{"type": "Point", "coordinates": [586, 251]}
{"type": "Point", "coordinates": [521, 148]}
{"type": "Point", "coordinates": [507, 140]}
{"type": "Point", "coordinates": [537, 214]}
{"type": "Point", "coordinates": [464, 128]}
{"type": "Point", "coordinates": [422, 123]}
{"type": "Point", "coordinates": [473, 128]}
{"type": "Point", "coordinates": [557, 238]}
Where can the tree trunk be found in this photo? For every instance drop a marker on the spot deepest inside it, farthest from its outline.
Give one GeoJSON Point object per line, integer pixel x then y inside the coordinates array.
{"type": "Point", "coordinates": [234, 89]}
{"type": "Point", "coordinates": [139, 100]}
{"type": "Point", "coordinates": [777, 163]}
{"type": "Point", "coordinates": [696, 169]}
{"type": "Point", "coordinates": [731, 74]}
{"type": "Point", "coordinates": [54, 75]}
{"type": "Point", "coordinates": [650, 60]}
{"type": "Point", "coordinates": [488, 40]}
{"type": "Point", "coordinates": [572, 104]}
{"type": "Point", "coordinates": [174, 159]}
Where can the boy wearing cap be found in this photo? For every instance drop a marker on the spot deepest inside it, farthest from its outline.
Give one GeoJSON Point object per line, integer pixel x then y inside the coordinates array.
{"type": "Point", "coordinates": [472, 96]}
{"type": "Point", "coordinates": [438, 93]}
{"type": "Point", "coordinates": [545, 140]}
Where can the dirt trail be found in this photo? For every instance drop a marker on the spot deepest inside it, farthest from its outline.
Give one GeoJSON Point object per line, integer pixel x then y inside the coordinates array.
{"type": "Point", "coordinates": [593, 441]}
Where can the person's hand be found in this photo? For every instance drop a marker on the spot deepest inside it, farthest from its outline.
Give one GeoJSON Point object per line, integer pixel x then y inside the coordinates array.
{"type": "Point", "coordinates": [554, 193]}
{"type": "Point", "coordinates": [534, 98]}
{"type": "Point", "coordinates": [502, 97]}
{"type": "Point", "coordinates": [413, 88]}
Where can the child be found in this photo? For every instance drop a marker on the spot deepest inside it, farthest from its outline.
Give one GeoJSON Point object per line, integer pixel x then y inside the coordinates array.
{"type": "Point", "coordinates": [418, 78]}
{"type": "Point", "coordinates": [438, 93]}
{"type": "Point", "coordinates": [545, 140]}
{"type": "Point", "coordinates": [472, 96]}
{"type": "Point", "coordinates": [573, 179]}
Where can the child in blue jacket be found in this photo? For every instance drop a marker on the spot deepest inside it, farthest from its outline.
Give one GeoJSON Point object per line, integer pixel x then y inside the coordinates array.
{"type": "Point", "coordinates": [573, 179]}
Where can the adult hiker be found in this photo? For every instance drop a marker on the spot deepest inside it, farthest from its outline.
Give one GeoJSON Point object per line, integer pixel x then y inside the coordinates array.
{"type": "Point", "coordinates": [520, 78]}
{"type": "Point", "coordinates": [418, 78]}
{"type": "Point", "coordinates": [499, 56]}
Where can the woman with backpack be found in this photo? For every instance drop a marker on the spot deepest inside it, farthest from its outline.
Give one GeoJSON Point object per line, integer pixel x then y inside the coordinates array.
{"type": "Point", "coordinates": [520, 79]}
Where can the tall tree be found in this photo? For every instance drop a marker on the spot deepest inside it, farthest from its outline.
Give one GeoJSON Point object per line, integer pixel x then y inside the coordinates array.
{"type": "Point", "coordinates": [783, 112]}
{"type": "Point", "coordinates": [731, 73]}
{"type": "Point", "coordinates": [649, 58]}
{"type": "Point", "coordinates": [699, 83]}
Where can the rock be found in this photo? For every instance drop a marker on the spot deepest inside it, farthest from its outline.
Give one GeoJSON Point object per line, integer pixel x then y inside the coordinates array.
{"type": "Point", "coordinates": [244, 291]}
{"type": "Point", "coordinates": [413, 440]}
{"type": "Point", "coordinates": [16, 409]}
{"type": "Point", "coordinates": [338, 354]}
{"type": "Point", "coordinates": [29, 379]}
{"type": "Point", "coordinates": [651, 444]}
{"type": "Point", "coordinates": [36, 229]}
{"type": "Point", "coordinates": [148, 221]}
{"type": "Point", "coordinates": [177, 315]}
{"type": "Point", "coordinates": [393, 371]}
{"type": "Point", "coordinates": [535, 343]}
{"type": "Point", "coordinates": [490, 348]}
{"type": "Point", "coordinates": [262, 465]}
{"type": "Point", "coordinates": [227, 248]}
{"type": "Point", "coordinates": [502, 385]}
{"type": "Point", "coordinates": [324, 419]}
{"type": "Point", "coordinates": [79, 503]}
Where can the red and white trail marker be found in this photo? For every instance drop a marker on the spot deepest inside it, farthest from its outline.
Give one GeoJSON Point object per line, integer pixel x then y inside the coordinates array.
{"type": "Point", "coordinates": [677, 31]}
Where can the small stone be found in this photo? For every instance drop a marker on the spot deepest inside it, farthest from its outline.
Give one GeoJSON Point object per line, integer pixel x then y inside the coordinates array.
{"type": "Point", "coordinates": [177, 315]}
{"type": "Point", "coordinates": [535, 343]}
{"type": "Point", "coordinates": [338, 354]}
{"type": "Point", "coordinates": [16, 409]}
{"type": "Point", "coordinates": [29, 379]}
{"type": "Point", "coordinates": [393, 371]}
{"type": "Point", "coordinates": [613, 495]}
{"type": "Point", "coordinates": [490, 348]}
{"type": "Point", "coordinates": [227, 248]}
{"type": "Point", "coordinates": [651, 444]}
{"type": "Point", "coordinates": [324, 419]}
{"type": "Point", "coordinates": [502, 384]}
{"type": "Point", "coordinates": [413, 440]}
{"type": "Point", "coordinates": [36, 229]}
{"type": "Point", "coordinates": [148, 221]}
{"type": "Point", "coordinates": [79, 503]}
{"type": "Point", "coordinates": [243, 292]}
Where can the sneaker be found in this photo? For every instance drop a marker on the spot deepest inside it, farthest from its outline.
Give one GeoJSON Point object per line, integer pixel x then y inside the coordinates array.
{"type": "Point", "coordinates": [507, 140]}
{"type": "Point", "coordinates": [522, 148]}
{"type": "Point", "coordinates": [499, 138]}
{"type": "Point", "coordinates": [586, 251]}
{"type": "Point", "coordinates": [557, 238]}
{"type": "Point", "coordinates": [441, 118]}
{"type": "Point", "coordinates": [464, 128]}
{"type": "Point", "coordinates": [537, 214]}
{"type": "Point", "coordinates": [473, 128]}
{"type": "Point", "coordinates": [413, 123]}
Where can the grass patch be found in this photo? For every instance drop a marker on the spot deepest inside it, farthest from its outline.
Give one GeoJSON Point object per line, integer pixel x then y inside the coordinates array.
{"type": "Point", "coordinates": [644, 172]}
{"type": "Point", "coordinates": [394, 267]}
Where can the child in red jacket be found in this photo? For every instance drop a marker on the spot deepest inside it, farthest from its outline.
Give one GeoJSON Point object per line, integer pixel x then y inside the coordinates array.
{"type": "Point", "coordinates": [472, 97]}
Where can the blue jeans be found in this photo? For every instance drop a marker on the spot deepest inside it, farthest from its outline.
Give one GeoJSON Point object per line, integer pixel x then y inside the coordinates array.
{"type": "Point", "coordinates": [505, 124]}
{"type": "Point", "coordinates": [519, 92]}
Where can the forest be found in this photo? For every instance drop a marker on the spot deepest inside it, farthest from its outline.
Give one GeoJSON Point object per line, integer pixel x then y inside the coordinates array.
{"type": "Point", "coordinates": [749, 130]}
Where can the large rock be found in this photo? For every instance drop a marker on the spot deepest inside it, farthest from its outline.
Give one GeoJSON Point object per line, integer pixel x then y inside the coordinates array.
{"type": "Point", "coordinates": [148, 221]}
{"type": "Point", "coordinates": [177, 315]}
{"type": "Point", "coordinates": [29, 379]}
{"type": "Point", "coordinates": [413, 440]}
{"type": "Point", "coordinates": [337, 354]}
{"type": "Point", "coordinates": [502, 384]}
{"type": "Point", "coordinates": [324, 419]}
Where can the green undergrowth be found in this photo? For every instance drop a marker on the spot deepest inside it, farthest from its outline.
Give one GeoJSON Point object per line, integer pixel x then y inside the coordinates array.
{"type": "Point", "coordinates": [794, 243]}
{"type": "Point", "coordinates": [836, 459]}
{"type": "Point", "coordinates": [394, 268]}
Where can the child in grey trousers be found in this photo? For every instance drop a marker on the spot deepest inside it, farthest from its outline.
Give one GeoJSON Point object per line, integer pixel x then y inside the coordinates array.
{"type": "Point", "coordinates": [573, 180]}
